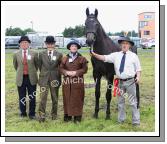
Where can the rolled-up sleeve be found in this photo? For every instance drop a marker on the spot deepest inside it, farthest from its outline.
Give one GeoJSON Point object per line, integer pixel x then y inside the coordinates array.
{"type": "Point", "coordinates": [137, 64]}
{"type": "Point", "coordinates": [109, 58]}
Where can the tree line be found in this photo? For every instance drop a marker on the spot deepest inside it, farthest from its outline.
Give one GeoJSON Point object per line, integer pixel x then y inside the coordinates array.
{"type": "Point", "coordinates": [17, 31]}
{"type": "Point", "coordinates": [77, 31]}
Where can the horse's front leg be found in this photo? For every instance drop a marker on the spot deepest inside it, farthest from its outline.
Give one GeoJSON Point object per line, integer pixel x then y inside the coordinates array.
{"type": "Point", "coordinates": [97, 96]}
{"type": "Point", "coordinates": [108, 98]}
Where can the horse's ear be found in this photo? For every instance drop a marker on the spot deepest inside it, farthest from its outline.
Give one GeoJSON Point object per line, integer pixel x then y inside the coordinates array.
{"type": "Point", "coordinates": [96, 13]}
{"type": "Point", "coordinates": [87, 12]}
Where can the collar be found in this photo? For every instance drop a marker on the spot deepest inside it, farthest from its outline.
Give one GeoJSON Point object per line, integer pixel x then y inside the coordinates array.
{"type": "Point", "coordinates": [125, 52]}
{"type": "Point", "coordinates": [24, 50]}
{"type": "Point", "coordinates": [73, 54]}
{"type": "Point", "coordinates": [49, 51]}
{"type": "Point", "coordinates": [78, 54]}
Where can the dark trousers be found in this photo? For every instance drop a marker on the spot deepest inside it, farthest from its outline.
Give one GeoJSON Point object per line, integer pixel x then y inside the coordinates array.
{"type": "Point", "coordinates": [22, 90]}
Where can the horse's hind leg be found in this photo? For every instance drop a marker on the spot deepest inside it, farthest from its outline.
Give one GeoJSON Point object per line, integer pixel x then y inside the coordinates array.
{"type": "Point", "coordinates": [108, 97]}
{"type": "Point", "coordinates": [97, 95]}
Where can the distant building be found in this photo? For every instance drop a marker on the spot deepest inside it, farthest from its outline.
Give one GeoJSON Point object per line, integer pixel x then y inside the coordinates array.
{"type": "Point", "coordinates": [59, 40]}
{"type": "Point", "coordinates": [147, 25]}
{"type": "Point", "coordinates": [38, 39]}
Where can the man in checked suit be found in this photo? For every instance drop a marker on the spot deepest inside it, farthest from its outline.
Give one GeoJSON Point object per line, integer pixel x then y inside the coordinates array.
{"type": "Point", "coordinates": [25, 62]}
{"type": "Point", "coordinates": [49, 77]}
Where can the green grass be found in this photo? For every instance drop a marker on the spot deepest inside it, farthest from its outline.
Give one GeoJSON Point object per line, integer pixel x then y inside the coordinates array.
{"type": "Point", "coordinates": [15, 124]}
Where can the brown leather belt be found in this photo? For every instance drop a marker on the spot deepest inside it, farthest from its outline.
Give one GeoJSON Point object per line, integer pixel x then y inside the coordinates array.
{"type": "Point", "coordinates": [126, 79]}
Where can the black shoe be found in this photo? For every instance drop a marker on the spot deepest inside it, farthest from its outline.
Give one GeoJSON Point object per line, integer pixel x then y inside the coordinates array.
{"type": "Point", "coordinates": [67, 118]}
{"type": "Point", "coordinates": [136, 124]}
{"type": "Point", "coordinates": [23, 115]}
{"type": "Point", "coordinates": [77, 119]}
{"type": "Point", "coordinates": [32, 117]}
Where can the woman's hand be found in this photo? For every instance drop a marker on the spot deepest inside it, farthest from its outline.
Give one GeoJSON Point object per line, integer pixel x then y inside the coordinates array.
{"type": "Point", "coordinates": [68, 73]}
{"type": "Point", "coordinates": [71, 73]}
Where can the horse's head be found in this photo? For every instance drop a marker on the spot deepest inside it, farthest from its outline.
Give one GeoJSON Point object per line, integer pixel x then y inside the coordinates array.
{"type": "Point", "coordinates": [91, 27]}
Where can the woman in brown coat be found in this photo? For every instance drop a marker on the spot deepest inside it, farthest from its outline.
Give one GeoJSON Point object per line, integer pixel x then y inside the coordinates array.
{"type": "Point", "coordinates": [73, 66]}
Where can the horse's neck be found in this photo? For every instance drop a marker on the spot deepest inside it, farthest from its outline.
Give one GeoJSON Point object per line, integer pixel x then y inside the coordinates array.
{"type": "Point", "coordinates": [103, 44]}
{"type": "Point", "coordinates": [100, 38]}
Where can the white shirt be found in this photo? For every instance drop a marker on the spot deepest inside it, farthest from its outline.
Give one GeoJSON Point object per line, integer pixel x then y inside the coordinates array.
{"type": "Point", "coordinates": [132, 63]}
{"type": "Point", "coordinates": [23, 53]}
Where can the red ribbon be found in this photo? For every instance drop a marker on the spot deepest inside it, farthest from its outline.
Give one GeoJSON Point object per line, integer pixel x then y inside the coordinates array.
{"type": "Point", "coordinates": [116, 88]}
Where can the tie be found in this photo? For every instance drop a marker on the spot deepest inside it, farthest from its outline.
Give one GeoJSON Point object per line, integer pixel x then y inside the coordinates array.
{"type": "Point", "coordinates": [121, 68]}
{"type": "Point", "coordinates": [25, 68]}
{"type": "Point", "coordinates": [50, 52]}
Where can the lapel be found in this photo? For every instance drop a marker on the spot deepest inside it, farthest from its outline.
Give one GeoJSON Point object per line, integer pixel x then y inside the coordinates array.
{"type": "Point", "coordinates": [29, 53]}
{"type": "Point", "coordinates": [20, 55]}
{"type": "Point", "coordinates": [46, 56]}
{"type": "Point", "coordinates": [54, 54]}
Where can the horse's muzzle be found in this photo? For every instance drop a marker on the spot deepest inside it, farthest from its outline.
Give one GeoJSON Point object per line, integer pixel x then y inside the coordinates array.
{"type": "Point", "coordinates": [90, 42]}
{"type": "Point", "coordinates": [90, 38]}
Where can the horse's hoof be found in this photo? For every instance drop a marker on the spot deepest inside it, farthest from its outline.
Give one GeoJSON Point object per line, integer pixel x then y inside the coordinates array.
{"type": "Point", "coordinates": [107, 118]}
{"type": "Point", "coordinates": [95, 116]}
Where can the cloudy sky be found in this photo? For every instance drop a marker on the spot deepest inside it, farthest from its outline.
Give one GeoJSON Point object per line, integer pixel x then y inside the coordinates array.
{"type": "Point", "coordinates": [54, 17]}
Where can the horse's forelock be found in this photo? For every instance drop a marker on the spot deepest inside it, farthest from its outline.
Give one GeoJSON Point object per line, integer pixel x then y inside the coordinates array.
{"type": "Point", "coordinates": [92, 16]}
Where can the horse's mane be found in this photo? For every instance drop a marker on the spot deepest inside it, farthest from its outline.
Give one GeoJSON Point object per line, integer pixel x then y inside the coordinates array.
{"type": "Point", "coordinates": [103, 31]}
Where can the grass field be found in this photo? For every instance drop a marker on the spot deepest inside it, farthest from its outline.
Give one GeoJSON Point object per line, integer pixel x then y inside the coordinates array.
{"type": "Point", "coordinates": [147, 86]}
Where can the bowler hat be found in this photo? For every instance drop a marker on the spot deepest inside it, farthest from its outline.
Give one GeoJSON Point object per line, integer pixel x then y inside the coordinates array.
{"type": "Point", "coordinates": [122, 38]}
{"type": "Point", "coordinates": [24, 38]}
{"type": "Point", "coordinates": [50, 39]}
{"type": "Point", "coordinates": [73, 42]}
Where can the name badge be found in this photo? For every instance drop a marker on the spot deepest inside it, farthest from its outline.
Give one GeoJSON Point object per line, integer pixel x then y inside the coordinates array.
{"type": "Point", "coordinates": [70, 59]}
{"type": "Point", "coordinates": [54, 58]}
{"type": "Point", "coordinates": [29, 57]}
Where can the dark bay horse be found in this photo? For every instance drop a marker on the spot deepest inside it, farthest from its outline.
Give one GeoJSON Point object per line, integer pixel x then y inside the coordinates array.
{"type": "Point", "coordinates": [101, 44]}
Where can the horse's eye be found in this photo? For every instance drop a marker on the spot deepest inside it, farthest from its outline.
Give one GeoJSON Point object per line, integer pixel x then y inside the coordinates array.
{"type": "Point", "coordinates": [96, 25]}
